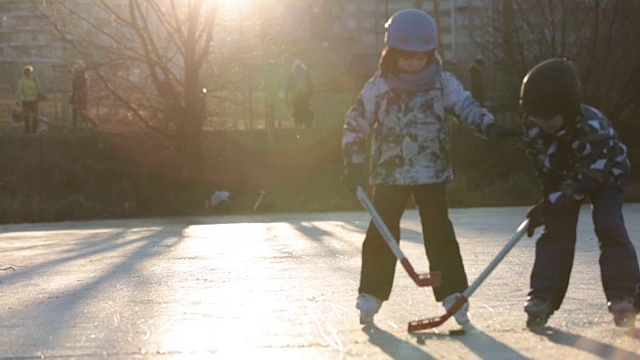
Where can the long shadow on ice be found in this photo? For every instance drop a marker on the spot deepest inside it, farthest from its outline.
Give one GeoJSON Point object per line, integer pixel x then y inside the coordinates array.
{"type": "Point", "coordinates": [478, 342]}
{"type": "Point", "coordinates": [394, 347]}
{"type": "Point", "coordinates": [588, 345]}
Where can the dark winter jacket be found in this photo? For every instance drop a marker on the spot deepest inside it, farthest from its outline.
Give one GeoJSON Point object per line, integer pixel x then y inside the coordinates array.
{"type": "Point", "coordinates": [586, 153]}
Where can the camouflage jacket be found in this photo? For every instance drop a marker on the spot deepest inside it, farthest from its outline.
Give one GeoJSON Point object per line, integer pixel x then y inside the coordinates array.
{"type": "Point", "coordinates": [406, 137]}
{"type": "Point", "coordinates": [579, 157]}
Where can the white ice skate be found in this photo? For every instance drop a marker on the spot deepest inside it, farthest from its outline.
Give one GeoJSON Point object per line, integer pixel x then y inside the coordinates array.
{"type": "Point", "coordinates": [623, 311]}
{"type": "Point", "coordinates": [368, 305]}
{"type": "Point", "coordinates": [461, 315]}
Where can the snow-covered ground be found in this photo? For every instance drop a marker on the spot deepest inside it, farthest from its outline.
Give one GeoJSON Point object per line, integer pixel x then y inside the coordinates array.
{"type": "Point", "coordinates": [279, 285]}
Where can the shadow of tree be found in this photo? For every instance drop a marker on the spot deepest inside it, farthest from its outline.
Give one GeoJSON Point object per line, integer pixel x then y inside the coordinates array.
{"type": "Point", "coordinates": [55, 311]}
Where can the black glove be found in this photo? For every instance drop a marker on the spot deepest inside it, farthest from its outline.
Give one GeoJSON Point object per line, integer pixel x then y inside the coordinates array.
{"type": "Point", "coordinates": [354, 176]}
{"type": "Point", "coordinates": [495, 133]}
{"type": "Point", "coordinates": [538, 216]}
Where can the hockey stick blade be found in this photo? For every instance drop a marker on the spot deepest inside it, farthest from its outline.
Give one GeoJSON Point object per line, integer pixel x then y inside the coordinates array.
{"type": "Point", "coordinates": [431, 323]}
{"type": "Point", "coordinates": [424, 279]}
{"type": "Point", "coordinates": [434, 322]}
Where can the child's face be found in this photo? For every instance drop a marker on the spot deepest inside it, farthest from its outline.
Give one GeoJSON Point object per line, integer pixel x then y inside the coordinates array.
{"type": "Point", "coordinates": [549, 124]}
{"type": "Point", "coordinates": [411, 62]}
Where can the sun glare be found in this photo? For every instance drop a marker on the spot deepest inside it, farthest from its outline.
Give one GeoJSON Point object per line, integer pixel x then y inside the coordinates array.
{"type": "Point", "coordinates": [236, 8]}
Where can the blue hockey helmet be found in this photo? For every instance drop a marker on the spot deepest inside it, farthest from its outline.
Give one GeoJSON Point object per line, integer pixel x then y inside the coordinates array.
{"type": "Point", "coordinates": [411, 30]}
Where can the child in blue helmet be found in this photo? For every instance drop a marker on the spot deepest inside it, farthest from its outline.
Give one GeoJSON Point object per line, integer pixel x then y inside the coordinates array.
{"type": "Point", "coordinates": [399, 125]}
{"type": "Point", "coordinates": [576, 154]}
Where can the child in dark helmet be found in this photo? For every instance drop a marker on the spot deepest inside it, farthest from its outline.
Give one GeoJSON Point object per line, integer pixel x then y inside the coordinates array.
{"type": "Point", "coordinates": [399, 125]}
{"type": "Point", "coordinates": [576, 154]}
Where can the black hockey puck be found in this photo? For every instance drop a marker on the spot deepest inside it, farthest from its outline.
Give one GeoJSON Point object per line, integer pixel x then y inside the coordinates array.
{"type": "Point", "coordinates": [457, 332]}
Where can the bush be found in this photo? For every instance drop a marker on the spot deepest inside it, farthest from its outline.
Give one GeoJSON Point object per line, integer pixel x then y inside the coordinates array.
{"type": "Point", "coordinates": [88, 176]}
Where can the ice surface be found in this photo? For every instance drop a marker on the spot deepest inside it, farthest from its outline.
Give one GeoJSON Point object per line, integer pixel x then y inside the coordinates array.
{"type": "Point", "coordinates": [279, 285]}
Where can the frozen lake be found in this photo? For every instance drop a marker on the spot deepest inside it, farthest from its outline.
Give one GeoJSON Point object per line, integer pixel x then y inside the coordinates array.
{"type": "Point", "coordinates": [281, 286]}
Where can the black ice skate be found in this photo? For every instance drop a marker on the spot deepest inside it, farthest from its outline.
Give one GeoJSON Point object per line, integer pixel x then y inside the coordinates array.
{"type": "Point", "coordinates": [623, 311]}
{"type": "Point", "coordinates": [538, 312]}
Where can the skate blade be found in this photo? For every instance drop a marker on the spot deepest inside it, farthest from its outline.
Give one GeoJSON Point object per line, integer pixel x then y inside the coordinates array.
{"type": "Point", "coordinates": [625, 320]}
{"type": "Point", "coordinates": [537, 324]}
{"type": "Point", "coordinates": [632, 332]}
{"type": "Point", "coordinates": [366, 321]}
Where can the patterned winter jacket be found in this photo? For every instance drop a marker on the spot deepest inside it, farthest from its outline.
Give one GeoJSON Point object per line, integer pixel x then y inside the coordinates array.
{"type": "Point", "coordinates": [578, 158]}
{"type": "Point", "coordinates": [406, 137]}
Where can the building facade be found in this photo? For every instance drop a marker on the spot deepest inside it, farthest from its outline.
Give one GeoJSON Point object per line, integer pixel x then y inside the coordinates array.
{"type": "Point", "coordinates": [352, 30]}
{"type": "Point", "coordinates": [357, 28]}
{"type": "Point", "coordinates": [23, 40]}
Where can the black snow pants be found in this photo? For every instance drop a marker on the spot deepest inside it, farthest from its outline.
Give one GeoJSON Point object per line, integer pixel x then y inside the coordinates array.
{"type": "Point", "coordinates": [441, 246]}
{"type": "Point", "coordinates": [555, 251]}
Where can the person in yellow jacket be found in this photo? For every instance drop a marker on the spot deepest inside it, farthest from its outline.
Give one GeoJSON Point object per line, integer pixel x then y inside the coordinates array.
{"type": "Point", "coordinates": [28, 97]}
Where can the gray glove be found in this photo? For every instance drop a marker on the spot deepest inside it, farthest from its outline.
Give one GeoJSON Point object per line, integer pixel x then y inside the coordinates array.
{"type": "Point", "coordinates": [538, 216]}
{"type": "Point", "coordinates": [354, 176]}
{"type": "Point", "coordinates": [496, 133]}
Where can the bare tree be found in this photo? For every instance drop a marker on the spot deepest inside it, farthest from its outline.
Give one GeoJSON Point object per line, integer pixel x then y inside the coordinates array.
{"type": "Point", "coordinates": [148, 57]}
{"type": "Point", "coordinates": [261, 40]}
{"type": "Point", "coordinates": [600, 36]}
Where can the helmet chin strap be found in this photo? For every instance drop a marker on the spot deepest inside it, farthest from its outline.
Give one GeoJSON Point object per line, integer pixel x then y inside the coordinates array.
{"type": "Point", "coordinates": [426, 65]}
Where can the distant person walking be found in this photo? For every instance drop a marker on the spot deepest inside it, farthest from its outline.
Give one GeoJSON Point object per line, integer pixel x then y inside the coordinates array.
{"type": "Point", "coordinates": [299, 92]}
{"type": "Point", "coordinates": [78, 100]}
{"type": "Point", "coordinates": [476, 74]}
{"type": "Point", "coordinates": [28, 98]}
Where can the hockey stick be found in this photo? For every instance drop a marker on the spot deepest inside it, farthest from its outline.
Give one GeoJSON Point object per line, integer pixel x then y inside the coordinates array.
{"type": "Point", "coordinates": [434, 322]}
{"type": "Point", "coordinates": [422, 280]}
{"type": "Point", "coordinates": [262, 193]}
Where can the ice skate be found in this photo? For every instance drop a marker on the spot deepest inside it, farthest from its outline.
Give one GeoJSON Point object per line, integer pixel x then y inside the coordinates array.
{"type": "Point", "coordinates": [623, 311]}
{"type": "Point", "coordinates": [368, 305]}
{"type": "Point", "coordinates": [461, 315]}
{"type": "Point", "coordinates": [538, 313]}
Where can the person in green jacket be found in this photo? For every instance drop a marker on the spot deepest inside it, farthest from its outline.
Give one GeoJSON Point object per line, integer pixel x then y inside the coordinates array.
{"type": "Point", "coordinates": [27, 98]}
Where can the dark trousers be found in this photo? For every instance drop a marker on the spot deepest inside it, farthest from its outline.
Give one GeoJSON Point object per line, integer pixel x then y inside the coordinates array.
{"type": "Point", "coordinates": [30, 117]}
{"type": "Point", "coordinates": [77, 115]}
{"type": "Point", "coordinates": [441, 246]}
{"type": "Point", "coordinates": [302, 114]}
{"type": "Point", "coordinates": [555, 250]}
{"type": "Point", "coordinates": [78, 103]}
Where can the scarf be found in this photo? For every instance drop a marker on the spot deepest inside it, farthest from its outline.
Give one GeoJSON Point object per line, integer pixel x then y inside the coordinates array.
{"type": "Point", "coordinates": [413, 83]}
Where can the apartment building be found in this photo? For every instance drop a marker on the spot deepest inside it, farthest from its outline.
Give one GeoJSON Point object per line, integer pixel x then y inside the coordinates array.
{"type": "Point", "coordinates": [353, 30]}
{"type": "Point", "coordinates": [358, 29]}
{"type": "Point", "coordinates": [28, 37]}
{"type": "Point", "coordinates": [23, 41]}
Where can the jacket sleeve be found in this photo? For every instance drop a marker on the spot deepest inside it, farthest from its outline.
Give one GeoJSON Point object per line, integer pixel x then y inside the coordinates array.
{"type": "Point", "coordinates": [460, 103]}
{"type": "Point", "coordinates": [358, 123]}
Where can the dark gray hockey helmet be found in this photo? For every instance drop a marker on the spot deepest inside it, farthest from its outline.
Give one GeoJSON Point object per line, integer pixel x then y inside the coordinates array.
{"type": "Point", "coordinates": [551, 88]}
